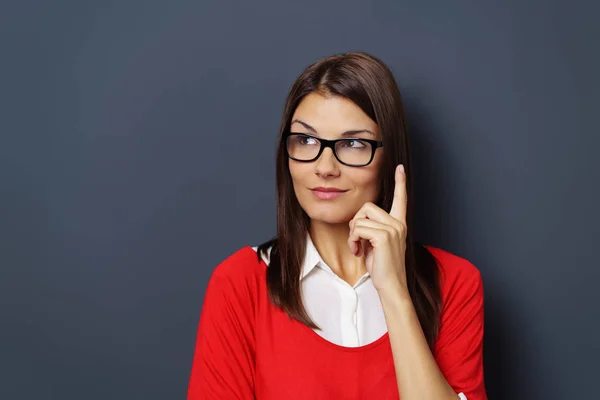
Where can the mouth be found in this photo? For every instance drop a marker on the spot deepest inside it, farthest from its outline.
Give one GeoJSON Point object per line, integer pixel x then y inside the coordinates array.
{"type": "Point", "coordinates": [327, 193]}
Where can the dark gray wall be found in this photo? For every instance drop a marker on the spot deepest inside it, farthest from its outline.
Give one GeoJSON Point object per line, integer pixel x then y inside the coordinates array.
{"type": "Point", "coordinates": [137, 151]}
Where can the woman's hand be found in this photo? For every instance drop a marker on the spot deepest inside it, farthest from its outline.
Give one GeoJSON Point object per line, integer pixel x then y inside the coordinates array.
{"type": "Point", "coordinates": [382, 238]}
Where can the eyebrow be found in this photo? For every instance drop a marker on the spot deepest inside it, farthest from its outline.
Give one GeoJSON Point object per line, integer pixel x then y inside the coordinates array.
{"type": "Point", "coordinates": [346, 133]}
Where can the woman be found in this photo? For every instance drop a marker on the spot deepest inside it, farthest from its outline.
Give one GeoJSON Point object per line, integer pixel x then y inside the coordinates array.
{"type": "Point", "coordinates": [342, 303]}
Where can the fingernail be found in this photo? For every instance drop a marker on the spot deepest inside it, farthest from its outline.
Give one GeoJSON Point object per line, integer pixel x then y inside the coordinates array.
{"type": "Point", "coordinates": [401, 168]}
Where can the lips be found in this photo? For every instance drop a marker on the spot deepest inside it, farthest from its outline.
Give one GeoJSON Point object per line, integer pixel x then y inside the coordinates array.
{"type": "Point", "coordinates": [324, 193]}
{"type": "Point", "coordinates": [327, 189]}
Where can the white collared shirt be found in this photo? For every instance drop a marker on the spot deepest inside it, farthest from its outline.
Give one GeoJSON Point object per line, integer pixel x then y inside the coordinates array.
{"type": "Point", "coordinates": [353, 315]}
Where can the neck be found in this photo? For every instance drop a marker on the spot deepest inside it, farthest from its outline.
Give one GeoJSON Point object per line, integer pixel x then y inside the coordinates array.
{"type": "Point", "coordinates": [331, 241]}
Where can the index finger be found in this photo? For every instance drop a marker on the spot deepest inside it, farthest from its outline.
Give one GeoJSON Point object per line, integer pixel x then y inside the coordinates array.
{"type": "Point", "coordinates": [398, 210]}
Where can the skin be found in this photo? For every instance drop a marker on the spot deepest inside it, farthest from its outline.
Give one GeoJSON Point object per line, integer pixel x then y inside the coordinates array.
{"type": "Point", "coordinates": [354, 236]}
{"type": "Point", "coordinates": [330, 116]}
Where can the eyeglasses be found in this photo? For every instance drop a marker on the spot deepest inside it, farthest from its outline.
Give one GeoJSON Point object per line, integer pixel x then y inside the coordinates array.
{"type": "Point", "coordinates": [348, 151]}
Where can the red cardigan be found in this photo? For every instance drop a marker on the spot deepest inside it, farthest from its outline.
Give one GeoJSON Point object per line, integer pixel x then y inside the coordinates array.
{"type": "Point", "coordinates": [246, 348]}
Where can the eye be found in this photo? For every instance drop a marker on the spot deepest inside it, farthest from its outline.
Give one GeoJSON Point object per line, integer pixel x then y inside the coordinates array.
{"type": "Point", "coordinates": [354, 144]}
{"type": "Point", "coordinates": [306, 140]}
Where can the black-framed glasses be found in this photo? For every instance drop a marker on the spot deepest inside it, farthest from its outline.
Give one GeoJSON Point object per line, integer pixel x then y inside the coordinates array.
{"type": "Point", "coordinates": [353, 152]}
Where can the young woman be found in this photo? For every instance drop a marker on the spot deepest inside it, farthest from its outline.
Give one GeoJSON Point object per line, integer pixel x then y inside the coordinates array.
{"type": "Point", "coordinates": [342, 303]}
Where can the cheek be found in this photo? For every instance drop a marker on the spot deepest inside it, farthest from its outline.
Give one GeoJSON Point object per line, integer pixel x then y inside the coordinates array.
{"type": "Point", "coordinates": [299, 173]}
{"type": "Point", "coordinates": [367, 186]}
{"type": "Point", "coordinates": [295, 172]}
{"type": "Point", "coordinates": [371, 177]}
{"type": "Point", "coordinates": [366, 179]}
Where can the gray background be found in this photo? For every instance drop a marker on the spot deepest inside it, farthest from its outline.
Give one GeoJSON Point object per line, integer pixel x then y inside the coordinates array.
{"type": "Point", "coordinates": [137, 151]}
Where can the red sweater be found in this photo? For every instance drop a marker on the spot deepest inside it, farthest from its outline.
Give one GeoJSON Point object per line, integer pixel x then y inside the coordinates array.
{"type": "Point", "coordinates": [246, 348]}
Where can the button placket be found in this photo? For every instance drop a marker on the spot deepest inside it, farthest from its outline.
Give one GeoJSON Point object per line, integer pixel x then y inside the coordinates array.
{"type": "Point", "coordinates": [348, 320]}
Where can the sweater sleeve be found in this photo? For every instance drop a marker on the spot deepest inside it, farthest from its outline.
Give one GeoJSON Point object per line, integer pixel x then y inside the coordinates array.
{"type": "Point", "coordinates": [223, 364]}
{"type": "Point", "coordinates": [459, 348]}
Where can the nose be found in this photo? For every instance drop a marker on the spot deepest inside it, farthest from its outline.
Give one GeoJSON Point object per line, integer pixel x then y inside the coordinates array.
{"type": "Point", "coordinates": [327, 164]}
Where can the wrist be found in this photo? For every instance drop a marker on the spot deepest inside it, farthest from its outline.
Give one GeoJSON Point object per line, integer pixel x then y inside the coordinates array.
{"type": "Point", "coordinates": [397, 296]}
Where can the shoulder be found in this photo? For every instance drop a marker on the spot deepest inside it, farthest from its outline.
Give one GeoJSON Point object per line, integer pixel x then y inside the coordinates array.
{"type": "Point", "coordinates": [242, 262]}
{"type": "Point", "coordinates": [453, 268]}
{"type": "Point", "coordinates": [241, 272]}
{"type": "Point", "coordinates": [460, 279]}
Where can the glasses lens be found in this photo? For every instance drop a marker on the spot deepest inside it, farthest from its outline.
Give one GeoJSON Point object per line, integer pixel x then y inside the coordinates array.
{"type": "Point", "coordinates": [302, 147]}
{"type": "Point", "coordinates": [354, 151]}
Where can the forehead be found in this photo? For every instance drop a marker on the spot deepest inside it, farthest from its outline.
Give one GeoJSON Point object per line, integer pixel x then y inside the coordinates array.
{"type": "Point", "coordinates": [331, 115]}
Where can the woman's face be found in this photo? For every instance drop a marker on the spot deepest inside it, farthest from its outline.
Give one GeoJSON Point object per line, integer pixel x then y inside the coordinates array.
{"type": "Point", "coordinates": [328, 118]}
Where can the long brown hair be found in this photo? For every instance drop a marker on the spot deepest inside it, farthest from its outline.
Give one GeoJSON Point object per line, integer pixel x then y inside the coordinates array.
{"type": "Point", "coordinates": [369, 83]}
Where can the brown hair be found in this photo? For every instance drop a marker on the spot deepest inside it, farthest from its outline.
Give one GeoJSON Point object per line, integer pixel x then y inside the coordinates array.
{"type": "Point", "coordinates": [369, 83]}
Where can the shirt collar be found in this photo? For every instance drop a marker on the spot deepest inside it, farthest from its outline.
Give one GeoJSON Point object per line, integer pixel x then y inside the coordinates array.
{"type": "Point", "coordinates": [312, 258]}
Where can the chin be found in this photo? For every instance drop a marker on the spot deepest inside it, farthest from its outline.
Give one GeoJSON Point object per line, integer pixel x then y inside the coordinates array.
{"type": "Point", "coordinates": [330, 220]}
{"type": "Point", "coordinates": [329, 214]}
